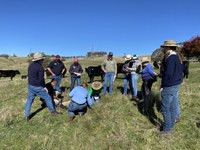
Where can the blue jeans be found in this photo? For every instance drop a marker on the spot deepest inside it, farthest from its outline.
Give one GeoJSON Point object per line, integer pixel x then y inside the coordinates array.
{"type": "Point", "coordinates": [57, 87]}
{"type": "Point", "coordinates": [177, 107]}
{"type": "Point", "coordinates": [75, 108]}
{"type": "Point", "coordinates": [39, 91]}
{"type": "Point", "coordinates": [127, 79]}
{"type": "Point", "coordinates": [169, 106]}
{"type": "Point", "coordinates": [109, 76]}
{"type": "Point", "coordinates": [134, 78]}
{"type": "Point", "coordinates": [73, 80]}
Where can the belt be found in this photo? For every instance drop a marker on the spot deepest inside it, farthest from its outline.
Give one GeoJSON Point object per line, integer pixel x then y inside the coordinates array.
{"type": "Point", "coordinates": [78, 103]}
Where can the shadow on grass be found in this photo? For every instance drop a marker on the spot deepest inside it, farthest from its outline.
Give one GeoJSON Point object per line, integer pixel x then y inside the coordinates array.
{"type": "Point", "coordinates": [35, 112]}
{"type": "Point", "coordinates": [146, 107]}
{"type": "Point", "coordinates": [121, 89]}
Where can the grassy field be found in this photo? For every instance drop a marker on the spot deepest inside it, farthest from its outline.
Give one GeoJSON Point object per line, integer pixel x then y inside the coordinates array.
{"type": "Point", "coordinates": [114, 124]}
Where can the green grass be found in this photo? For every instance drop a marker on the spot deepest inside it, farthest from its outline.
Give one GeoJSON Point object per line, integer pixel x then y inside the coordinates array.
{"type": "Point", "coordinates": [114, 124]}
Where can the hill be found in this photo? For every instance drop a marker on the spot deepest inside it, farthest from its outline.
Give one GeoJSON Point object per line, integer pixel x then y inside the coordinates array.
{"type": "Point", "coordinates": [115, 124]}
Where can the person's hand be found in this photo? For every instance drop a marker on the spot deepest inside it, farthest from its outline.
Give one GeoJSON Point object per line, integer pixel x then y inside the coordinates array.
{"type": "Point", "coordinates": [161, 89]}
{"type": "Point", "coordinates": [46, 89]}
{"type": "Point", "coordinates": [114, 77]}
{"type": "Point", "coordinates": [53, 75]}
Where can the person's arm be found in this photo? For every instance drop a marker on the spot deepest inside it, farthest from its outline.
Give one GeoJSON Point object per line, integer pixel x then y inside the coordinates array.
{"type": "Point", "coordinates": [49, 68]}
{"type": "Point", "coordinates": [103, 66]}
{"type": "Point", "coordinates": [71, 94]}
{"type": "Point", "coordinates": [71, 69]}
{"type": "Point", "coordinates": [115, 69]}
{"type": "Point", "coordinates": [80, 70]}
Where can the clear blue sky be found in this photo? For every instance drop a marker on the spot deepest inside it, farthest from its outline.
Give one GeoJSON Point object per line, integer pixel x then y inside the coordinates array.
{"type": "Point", "coordinates": [74, 27]}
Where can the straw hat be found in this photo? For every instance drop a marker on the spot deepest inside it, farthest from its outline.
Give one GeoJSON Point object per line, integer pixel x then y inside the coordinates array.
{"type": "Point", "coordinates": [145, 59]}
{"type": "Point", "coordinates": [37, 56]}
{"type": "Point", "coordinates": [169, 43]}
{"type": "Point", "coordinates": [128, 57]}
{"type": "Point", "coordinates": [96, 85]}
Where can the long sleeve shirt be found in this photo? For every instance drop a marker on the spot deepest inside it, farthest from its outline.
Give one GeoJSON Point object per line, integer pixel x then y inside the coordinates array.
{"type": "Point", "coordinates": [77, 68]}
{"type": "Point", "coordinates": [109, 66]}
{"type": "Point", "coordinates": [79, 95]}
{"type": "Point", "coordinates": [173, 71]}
{"type": "Point", "coordinates": [148, 73]}
{"type": "Point", "coordinates": [36, 74]}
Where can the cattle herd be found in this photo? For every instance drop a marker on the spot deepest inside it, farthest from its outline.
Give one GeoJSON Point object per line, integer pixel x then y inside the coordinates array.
{"type": "Point", "coordinates": [92, 71]}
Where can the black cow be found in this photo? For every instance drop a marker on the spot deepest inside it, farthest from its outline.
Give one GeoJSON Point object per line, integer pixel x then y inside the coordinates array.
{"type": "Point", "coordinates": [24, 76]}
{"type": "Point", "coordinates": [185, 69]}
{"type": "Point", "coordinates": [94, 71]}
{"type": "Point", "coordinates": [120, 68]}
{"type": "Point", "coordinates": [155, 64]}
{"type": "Point", "coordinates": [9, 73]}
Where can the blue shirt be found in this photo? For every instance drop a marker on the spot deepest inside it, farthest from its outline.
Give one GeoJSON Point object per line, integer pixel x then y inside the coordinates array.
{"type": "Point", "coordinates": [173, 72]}
{"type": "Point", "coordinates": [79, 95]}
{"type": "Point", "coordinates": [148, 73]}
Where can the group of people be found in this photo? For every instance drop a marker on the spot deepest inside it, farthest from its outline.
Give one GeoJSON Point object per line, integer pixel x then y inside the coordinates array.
{"type": "Point", "coordinates": [83, 96]}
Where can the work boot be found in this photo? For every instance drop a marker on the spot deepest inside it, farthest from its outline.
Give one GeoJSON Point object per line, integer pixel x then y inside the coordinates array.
{"type": "Point", "coordinates": [164, 134]}
{"type": "Point", "coordinates": [70, 118]}
{"type": "Point", "coordinates": [27, 118]}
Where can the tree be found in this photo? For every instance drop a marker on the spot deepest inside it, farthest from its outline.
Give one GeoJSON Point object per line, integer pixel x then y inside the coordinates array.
{"type": "Point", "coordinates": [191, 48]}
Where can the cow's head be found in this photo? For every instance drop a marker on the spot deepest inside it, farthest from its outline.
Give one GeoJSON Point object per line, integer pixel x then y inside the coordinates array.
{"type": "Point", "coordinates": [86, 70]}
{"type": "Point", "coordinates": [17, 72]}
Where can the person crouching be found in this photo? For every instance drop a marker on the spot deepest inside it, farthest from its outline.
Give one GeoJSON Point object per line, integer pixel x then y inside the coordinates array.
{"type": "Point", "coordinates": [78, 105]}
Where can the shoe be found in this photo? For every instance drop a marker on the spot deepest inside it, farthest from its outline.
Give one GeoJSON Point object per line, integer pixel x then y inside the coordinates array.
{"type": "Point", "coordinates": [71, 118]}
{"type": "Point", "coordinates": [177, 120]}
{"type": "Point", "coordinates": [55, 113]}
{"type": "Point", "coordinates": [27, 118]}
{"type": "Point", "coordinates": [164, 134]}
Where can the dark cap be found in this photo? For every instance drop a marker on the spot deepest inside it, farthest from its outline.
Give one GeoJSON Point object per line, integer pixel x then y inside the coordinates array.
{"type": "Point", "coordinates": [57, 56]}
{"type": "Point", "coordinates": [110, 54]}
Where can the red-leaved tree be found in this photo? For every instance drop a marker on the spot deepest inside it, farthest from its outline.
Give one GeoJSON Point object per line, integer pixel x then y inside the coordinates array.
{"type": "Point", "coordinates": [191, 48]}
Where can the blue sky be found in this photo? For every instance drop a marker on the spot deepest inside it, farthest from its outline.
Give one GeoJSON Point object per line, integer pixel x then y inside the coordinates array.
{"type": "Point", "coordinates": [75, 27]}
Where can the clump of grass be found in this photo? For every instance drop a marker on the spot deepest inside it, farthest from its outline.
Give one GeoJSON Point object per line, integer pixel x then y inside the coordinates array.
{"type": "Point", "coordinates": [7, 116]}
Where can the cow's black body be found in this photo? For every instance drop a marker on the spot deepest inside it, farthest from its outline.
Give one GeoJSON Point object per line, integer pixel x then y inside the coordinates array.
{"type": "Point", "coordinates": [185, 69]}
{"type": "Point", "coordinates": [94, 71]}
{"type": "Point", "coordinates": [9, 73]}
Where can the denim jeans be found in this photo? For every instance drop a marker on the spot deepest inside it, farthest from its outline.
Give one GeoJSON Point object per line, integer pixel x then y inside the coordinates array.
{"type": "Point", "coordinates": [134, 78]}
{"type": "Point", "coordinates": [169, 106]}
{"type": "Point", "coordinates": [73, 80]}
{"type": "Point", "coordinates": [127, 79]}
{"type": "Point", "coordinates": [109, 76]}
{"type": "Point", "coordinates": [75, 108]}
{"type": "Point", "coordinates": [39, 91]}
{"type": "Point", "coordinates": [177, 107]}
{"type": "Point", "coordinates": [57, 87]}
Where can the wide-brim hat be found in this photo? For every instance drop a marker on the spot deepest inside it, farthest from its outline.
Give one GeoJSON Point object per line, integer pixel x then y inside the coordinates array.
{"type": "Point", "coordinates": [96, 85]}
{"type": "Point", "coordinates": [135, 57]}
{"type": "Point", "coordinates": [169, 43]}
{"type": "Point", "coordinates": [37, 56]}
{"type": "Point", "coordinates": [145, 60]}
{"type": "Point", "coordinates": [128, 57]}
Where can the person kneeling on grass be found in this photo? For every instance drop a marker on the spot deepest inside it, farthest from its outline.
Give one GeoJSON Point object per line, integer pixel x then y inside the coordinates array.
{"type": "Point", "coordinates": [54, 97]}
{"type": "Point", "coordinates": [79, 101]}
{"type": "Point", "coordinates": [94, 93]}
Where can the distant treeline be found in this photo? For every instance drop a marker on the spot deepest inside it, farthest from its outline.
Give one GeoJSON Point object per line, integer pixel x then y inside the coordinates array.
{"type": "Point", "coordinates": [89, 54]}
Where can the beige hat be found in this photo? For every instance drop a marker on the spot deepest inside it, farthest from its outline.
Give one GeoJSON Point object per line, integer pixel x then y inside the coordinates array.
{"type": "Point", "coordinates": [37, 56]}
{"type": "Point", "coordinates": [96, 85]}
{"type": "Point", "coordinates": [145, 60]}
{"type": "Point", "coordinates": [128, 57]}
{"type": "Point", "coordinates": [169, 43]}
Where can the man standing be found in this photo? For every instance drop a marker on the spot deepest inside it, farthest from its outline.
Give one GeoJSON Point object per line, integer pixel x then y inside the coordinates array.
{"type": "Point", "coordinates": [171, 80]}
{"type": "Point", "coordinates": [109, 66]}
{"type": "Point", "coordinates": [36, 86]}
{"type": "Point", "coordinates": [75, 70]}
{"type": "Point", "coordinates": [57, 68]}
